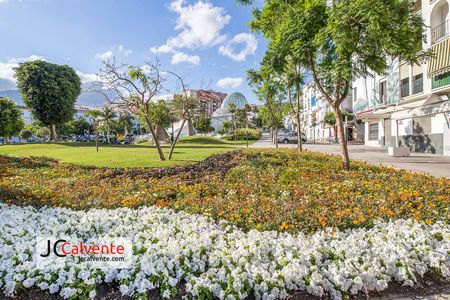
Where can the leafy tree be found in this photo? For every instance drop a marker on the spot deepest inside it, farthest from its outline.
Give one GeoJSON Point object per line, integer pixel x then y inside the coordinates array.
{"type": "Point", "coordinates": [133, 90]}
{"type": "Point", "coordinates": [10, 119]}
{"type": "Point", "coordinates": [125, 122]}
{"type": "Point", "coordinates": [25, 134]}
{"type": "Point", "coordinates": [49, 91]}
{"type": "Point", "coordinates": [271, 91]}
{"type": "Point", "coordinates": [43, 132]}
{"type": "Point", "coordinates": [339, 40]}
{"type": "Point", "coordinates": [93, 117]}
{"type": "Point", "coordinates": [81, 126]}
{"type": "Point", "coordinates": [106, 117]}
{"type": "Point", "coordinates": [202, 124]}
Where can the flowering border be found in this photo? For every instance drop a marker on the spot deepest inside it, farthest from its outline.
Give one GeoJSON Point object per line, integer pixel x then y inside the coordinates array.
{"type": "Point", "coordinates": [218, 259]}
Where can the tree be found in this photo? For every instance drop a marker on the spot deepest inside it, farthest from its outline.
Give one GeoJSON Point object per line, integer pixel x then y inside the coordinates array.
{"type": "Point", "coordinates": [330, 119]}
{"type": "Point", "coordinates": [125, 122]}
{"type": "Point", "coordinates": [43, 132]}
{"type": "Point", "coordinates": [271, 91]}
{"type": "Point", "coordinates": [339, 40]}
{"type": "Point", "coordinates": [202, 124]}
{"type": "Point", "coordinates": [81, 126]}
{"type": "Point", "coordinates": [49, 91]}
{"type": "Point", "coordinates": [185, 107]}
{"type": "Point", "coordinates": [134, 90]}
{"type": "Point", "coordinates": [10, 119]}
{"type": "Point", "coordinates": [93, 117]}
{"type": "Point", "coordinates": [25, 134]}
{"type": "Point", "coordinates": [107, 116]}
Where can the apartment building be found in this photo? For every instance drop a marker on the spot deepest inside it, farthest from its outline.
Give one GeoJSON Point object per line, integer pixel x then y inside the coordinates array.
{"type": "Point", "coordinates": [409, 105]}
{"type": "Point", "coordinates": [314, 109]}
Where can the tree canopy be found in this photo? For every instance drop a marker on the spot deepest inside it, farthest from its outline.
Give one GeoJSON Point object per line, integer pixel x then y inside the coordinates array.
{"type": "Point", "coordinates": [10, 119]}
{"type": "Point", "coordinates": [49, 91]}
{"type": "Point", "coordinates": [336, 41]}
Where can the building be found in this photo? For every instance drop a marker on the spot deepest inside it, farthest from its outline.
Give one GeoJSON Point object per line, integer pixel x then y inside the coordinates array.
{"type": "Point", "coordinates": [222, 114]}
{"type": "Point", "coordinates": [409, 105]}
{"type": "Point", "coordinates": [209, 100]}
{"type": "Point", "coordinates": [314, 109]}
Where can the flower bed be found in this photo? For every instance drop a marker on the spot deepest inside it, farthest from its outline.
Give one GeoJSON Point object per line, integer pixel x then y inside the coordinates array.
{"type": "Point", "coordinates": [218, 259]}
{"type": "Point", "coordinates": [254, 189]}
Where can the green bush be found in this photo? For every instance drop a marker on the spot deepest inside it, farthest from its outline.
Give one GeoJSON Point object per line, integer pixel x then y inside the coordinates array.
{"type": "Point", "coordinates": [243, 134]}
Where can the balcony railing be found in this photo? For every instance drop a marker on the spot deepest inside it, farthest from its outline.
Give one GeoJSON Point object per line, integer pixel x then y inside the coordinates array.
{"type": "Point", "coordinates": [440, 32]}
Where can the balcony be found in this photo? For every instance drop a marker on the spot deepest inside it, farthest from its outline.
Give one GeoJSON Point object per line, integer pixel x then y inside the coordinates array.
{"type": "Point", "coordinates": [440, 32]}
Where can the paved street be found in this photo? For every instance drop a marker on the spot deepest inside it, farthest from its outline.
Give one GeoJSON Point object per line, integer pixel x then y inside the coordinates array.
{"type": "Point", "coordinates": [436, 165]}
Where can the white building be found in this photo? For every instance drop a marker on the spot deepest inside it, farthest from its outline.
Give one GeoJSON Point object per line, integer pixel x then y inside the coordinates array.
{"type": "Point", "coordinates": [409, 105]}
{"type": "Point", "coordinates": [314, 109]}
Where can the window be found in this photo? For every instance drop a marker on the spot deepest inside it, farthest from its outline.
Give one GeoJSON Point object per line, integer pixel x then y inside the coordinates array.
{"type": "Point", "coordinates": [418, 83]}
{"type": "Point", "coordinates": [383, 97]}
{"type": "Point", "coordinates": [404, 87]}
{"type": "Point", "coordinates": [354, 95]}
{"type": "Point", "coordinates": [373, 131]}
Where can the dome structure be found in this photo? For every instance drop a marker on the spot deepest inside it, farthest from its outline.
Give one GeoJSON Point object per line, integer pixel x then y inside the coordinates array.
{"type": "Point", "coordinates": [234, 98]}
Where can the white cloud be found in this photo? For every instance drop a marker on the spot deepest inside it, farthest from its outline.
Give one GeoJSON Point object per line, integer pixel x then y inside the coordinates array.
{"type": "Point", "coordinates": [180, 57]}
{"type": "Point", "coordinates": [88, 77]}
{"type": "Point", "coordinates": [124, 51]}
{"type": "Point", "coordinates": [229, 49]}
{"type": "Point", "coordinates": [230, 82]}
{"type": "Point", "coordinates": [105, 55]}
{"type": "Point", "coordinates": [200, 24]}
{"type": "Point", "coordinates": [7, 68]}
{"type": "Point", "coordinates": [161, 49]}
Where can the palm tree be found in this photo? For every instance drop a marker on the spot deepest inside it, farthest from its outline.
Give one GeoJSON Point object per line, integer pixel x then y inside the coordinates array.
{"type": "Point", "coordinates": [126, 121]}
{"type": "Point", "coordinates": [106, 116]}
{"type": "Point", "coordinates": [94, 117]}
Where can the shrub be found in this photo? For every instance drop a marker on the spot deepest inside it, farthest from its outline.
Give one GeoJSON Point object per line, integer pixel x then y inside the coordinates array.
{"type": "Point", "coordinates": [242, 134]}
{"type": "Point", "coordinates": [25, 134]}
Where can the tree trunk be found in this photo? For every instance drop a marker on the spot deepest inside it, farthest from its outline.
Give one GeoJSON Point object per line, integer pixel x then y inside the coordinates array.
{"type": "Point", "coordinates": [298, 116]}
{"type": "Point", "coordinates": [126, 130]}
{"type": "Point", "coordinates": [96, 140]}
{"type": "Point", "coordinates": [53, 132]}
{"type": "Point", "coordinates": [172, 148]}
{"type": "Point", "coordinates": [342, 139]}
{"type": "Point", "coordinates": [190, 127]}
{"type": "Point", "coordinates": [276, 137]}
{"type": "Point", "coordinates": [6, 140]}
{"type": "Point", "coordinates": [155, 139]}
{"type": "Point", "coordinates": [107, 134]}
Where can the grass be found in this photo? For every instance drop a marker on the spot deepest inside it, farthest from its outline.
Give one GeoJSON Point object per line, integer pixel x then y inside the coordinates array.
{"type": "Point", "coordinates": [189, 150]}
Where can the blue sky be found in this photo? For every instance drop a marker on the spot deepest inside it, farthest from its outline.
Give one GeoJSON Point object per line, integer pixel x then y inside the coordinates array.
{"type": "Point", "coordinates": [207, 41]}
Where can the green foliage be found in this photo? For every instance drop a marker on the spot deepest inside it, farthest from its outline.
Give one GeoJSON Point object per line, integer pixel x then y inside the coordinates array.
{"type": "Point", "coordinates": [48, 90]}
{"type": "Point", "coordinates": [202, 124]}
{"type": "Point", "coordinates": [10, 118]}
{"type": "Point", "coordinates": [330, 119]}
{"type": "Point", "coordinates": [43, 132]}
{"type": "Point", "coordinates": [244, 134]}
{"type": "Point", "coordinates": [25, 134]}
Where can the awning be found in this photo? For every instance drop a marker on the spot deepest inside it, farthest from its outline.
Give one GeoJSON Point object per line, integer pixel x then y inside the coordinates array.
{"type": "Point", "coordinates": [440, 61]}
{"type": "Point", "coordinates": [420, 111]}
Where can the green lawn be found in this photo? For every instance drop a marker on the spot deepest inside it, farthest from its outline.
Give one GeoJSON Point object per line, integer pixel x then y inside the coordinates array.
{"type": "Point", "coordinates": [189, 150]}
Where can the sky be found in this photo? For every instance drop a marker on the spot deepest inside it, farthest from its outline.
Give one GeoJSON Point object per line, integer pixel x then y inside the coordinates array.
{"type": "Point", "coordinates": [208, 42]}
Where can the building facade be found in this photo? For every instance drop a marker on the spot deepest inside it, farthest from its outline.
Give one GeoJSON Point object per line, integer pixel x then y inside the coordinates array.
{"type": "Point", "coordinates": [409, 105]}
{"type": "Point", "coordinates": [314, 109]}
{"type": "Point", "coordinates": [209, 100]}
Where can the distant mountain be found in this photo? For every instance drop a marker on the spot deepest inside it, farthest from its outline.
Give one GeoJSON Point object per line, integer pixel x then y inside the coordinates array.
{"type": "Point", "coordinates": [85, 99]}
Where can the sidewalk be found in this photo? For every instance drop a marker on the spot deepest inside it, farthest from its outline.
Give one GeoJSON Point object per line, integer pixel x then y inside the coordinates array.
{"type": "Point", "coordinates": [436, 165]}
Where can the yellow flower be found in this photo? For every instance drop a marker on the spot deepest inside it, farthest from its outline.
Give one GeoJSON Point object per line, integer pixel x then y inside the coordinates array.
{"type": "Point", "coordinates": [428, 222]}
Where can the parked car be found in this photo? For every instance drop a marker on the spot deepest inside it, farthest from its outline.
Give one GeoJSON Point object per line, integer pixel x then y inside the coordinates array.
{"type": "Point", "coordinates": [290, 138]}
